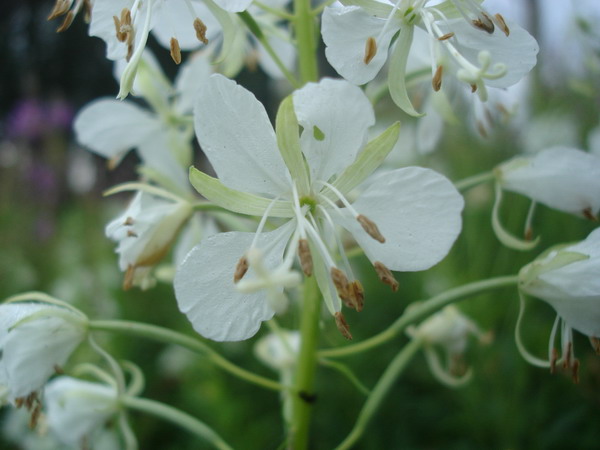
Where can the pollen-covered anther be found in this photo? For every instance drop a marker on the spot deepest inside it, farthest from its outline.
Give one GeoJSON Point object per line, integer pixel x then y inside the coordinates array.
{"type": "Point", "coordinates": [358, 295]}
{"type": "Point", "coordinates": [595, 344]}
{"type": "Point", "coordinates": [128, 221]}
{"type": "Point", "coordinates": [131, 233]}
{"type": "Point", "coordinates": [502, 24]}
{"type": "Point", "coordinates": [306, 261]}
{"type": "Point", "coordinates": [370, 49]}
{"type": "Point", "coordinates": [446, 36]}
{"type": "Point", "coordinates": [484, 22]}
{"type": "Point", "coordinates": [473, 88]}
{"type": "Point", "coordinates": [528, 235]}
{"type": "Point", "coordinates": [66, 22]}
{"type": "Point", "coordinates": [340, 281]}
{"type": "Point", "coordinates": [60, 7]}
{"type": "Point", "coordinates": [385, 275]}
{"type": "Point", "coordinates": [342, 325]}
{"type": "Point", "coordinates": [175, 51]}
{"type": "Point", "coordinates": [588, 214]}
{"type": "Point", "coordinates": [370, 227]}
{"type": "Point", "coordinates": [120, 35]}
{"type": "Point", "coordinates": [436, 82]}
{"type": "Point", "coordinates": [240, 269]}
{"type": "Point", "coordinates": [200, 30]}
{"type": "Point", "coordinates": [129, 277]}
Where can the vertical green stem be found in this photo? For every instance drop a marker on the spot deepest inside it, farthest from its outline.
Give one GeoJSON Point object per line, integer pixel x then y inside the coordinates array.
{"type": "Point", "coordinates": [304, 396]}
{"type": "Point", "coordinates": [304, 23]}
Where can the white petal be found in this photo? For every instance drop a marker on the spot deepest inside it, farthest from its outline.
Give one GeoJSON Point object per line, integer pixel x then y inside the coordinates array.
{"type": "Point", "coordinates": [336, 117]}
{"type": "Point", "coordinates": [233, 5]}
{"type": "Point", "coordinates": [111, 127]}
{"type": "Point", "coordinates": [282, 47]}
{"type": "Point", "coordinates": [236, 135]}
{"type": "Point", "coordinates": [103, 26]}
{"type": "Point", "coordinates": [191, 76]}
{"type": "Point", "coordinates": [75, 407]}
{"type": "Point", "coordinates": [345, 32]}
{"type": "Point", "coordinates": [418, 212]}
{"type": "Point", "coordinates": [205, 290]}
{"type": "Point", "coordinates": [562, 178]}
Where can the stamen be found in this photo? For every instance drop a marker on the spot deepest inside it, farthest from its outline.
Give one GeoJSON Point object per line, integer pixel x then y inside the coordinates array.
{"type": "Point", "coordinates": [575, 371]}
{"type": "Point", "coordinates": [305, 257]}
{"type": "Point", "coordinates": [121, 36]}
{"type": "Point", "coordinates": [502, 24]}
{"type": "Point", "coordinates": [175, 51]}
{"type": "Point", "coordinates": [342, 325]}
{"type": "Point", "coordinates": [341, 284]}
{"type": "Point", "coordinates": [240, 269]}
{"type": "Point", "coordinates": [484, 22]}
{"type": "Point", "coordinates": [66, 23]}
{"type": "Point", "coordinates": [588, 214]}
{"type": "Point", "coordinates": [200, 30]}
{"type": "Point", "coordinates": [370, 227]}
{"type": "Point", "coordinates": [60, 8]}
{"type": "Point", "coordinates": [473, 88]}
{"type": "Point", "coordinates": [436, 82]}
{"type": "Point", "coordinates": [481, 129]}
{"type": "Point", "coordinates": [131, 233]}
{"type": "Point", "coordinates": [340, 196]}
{"type": "Point", "coordinates": [370, 49]}
{"type": "Point", "coordinates": [385, 275]}
{"type": "Point", "coordinates": [358, 295]}
{"type": "Point", "coordinates": [446, 36]}
{"type": "Point", "coordinates": [553, 360]}
{"type": "Point", "coordinates": [595, 344]}
{"type": "Point", "coordinates": [128, 278]}
{"type": "Point", "coordinates": [128, 221]}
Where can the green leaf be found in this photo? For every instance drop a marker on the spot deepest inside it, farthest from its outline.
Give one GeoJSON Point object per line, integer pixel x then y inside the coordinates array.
{"type": "Point", "coordinates": [237, 201]}
{"type": "Point", "coordinates": [288, 141]}
{"type": "Point", "coordinates": [397, 72]}
{"type": "Point", "coordinates": [367, 161]}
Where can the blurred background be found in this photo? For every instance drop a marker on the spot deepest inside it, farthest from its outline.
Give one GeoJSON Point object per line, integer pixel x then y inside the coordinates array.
{"type": "Point", "coordinates": [52, 218]}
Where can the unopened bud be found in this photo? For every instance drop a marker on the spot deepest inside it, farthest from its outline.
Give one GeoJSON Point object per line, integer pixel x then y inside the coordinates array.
{"type": "Point", "coordinates": [370, 49]}
{"type": "Point", "coordinates": [446, 36]}
{"type": "Point", "coordinates": [385, 275]}
{"type": "Point", "coordinates": [200, 30]}
{"type": "Point", "coordinates": [502, 24]}
{"type": "Point", "coordinates": [436, 82]}
{"type": "Point", "coordinates": [305, 257]}
{"type": "Point", "coordinates": [240, 269]}
{"type": "Point", "coordinates": [342, 325]}
{"type": "Point", "coordinates": [175, 51]}
{"type": "Point", "coordinates": [370, 227]}
{"type": "Point", "coordinates": [340, 281]}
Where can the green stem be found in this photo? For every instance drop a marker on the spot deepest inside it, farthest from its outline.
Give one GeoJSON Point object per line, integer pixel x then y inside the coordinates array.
{"type": "Point", "coordinates": [421, 311]}
{"type": "Point", "coordinates": [303, 399]}
{"type": "Point", "coordinates": [304, 23]}
{"type": "Point", "coordinates": [177, 417]}
{"type": "Point", "coordinates": [470, 182]}
{"type": "Point", "coordinates": [380, 392]}
{"type": "Point", "coordinates": [257, 32]}
{"type": "Point", "coordinates": [173, 337]}
{"type": "Point", "coordinates": [276, 12]}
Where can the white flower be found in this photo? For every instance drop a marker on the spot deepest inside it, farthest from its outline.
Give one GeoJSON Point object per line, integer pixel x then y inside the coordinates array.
{"type": "Point", "coordinates": [145, 232]}
{"type": "Point", "coordinates": [279, 350]}
{"type": "Point", "coordinates": [465, 40]}
{"type": "Point", "coordinates": [162, 136]}
{"type": "Point", "coordinates": [567, 278]}
{"type": "Point", "coordinates": [36, 339]}
{"type": "Point", "coordinates": [76, 408]}
{"type": "Point", "coordinates": [405, 219]}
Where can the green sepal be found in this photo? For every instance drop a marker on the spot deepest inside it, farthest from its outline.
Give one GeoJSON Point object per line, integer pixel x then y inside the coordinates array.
{"type": "Point", "coordinates": [288, 141]}
{"type": "Point", "coordinates": [367, 161]}
{"type": "Point", "coordinates": [237, 201]}
{"type": "Point", "coordinates": [227, 25]}
{"type": "Point", "coordinates": [397, 72]}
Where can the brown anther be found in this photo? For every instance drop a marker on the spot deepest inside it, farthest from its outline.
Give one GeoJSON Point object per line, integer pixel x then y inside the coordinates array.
{"type": "Point", "coordinates": [305, 257]}
{"type": "Point", "coordinates": [342, 325]}
{"type": "Point", "coordinates": [473, 88]}
{"type": "Point", "coordinates": [131, 233]}
{"type": "Point", "coordinates": [175, 51]}
{"type": "Point", "coordinates": [553, 360]}
{"type": "Point", "coordinates": [358, 295]}
{"type": "Point", "coordinates": [200, 30]}
{"type": "Point", "coordinates": [370, 227]}
{"type": "Point", "coordinates": [120, 35]}
{"type": "Point", "coordinates": [60, 8]}
{"type": "Point", "coordinates": [481, 129]}
{"type": "Point", "coordinates": [128, 278]}
{"type": "Point", "coordinates": [436, 82]}
{"type": "Point", "coordinates": [385, 275]}
{"type": "Point", "coordinates": [575, 371]}
{"type": "Point", "coordinates": [446, 36]}
{"type": "Point", "coordinates": [128, 221]}
{"type": "Point", "coordinates": [66, 23]}
{"type": "Point", "coordinates": [595, 344]}
{"type": "Point", "coordinates": [129, 49]}
{"type": "Point", "coordinates": [568, 355]}
{"type": "Point", "coordinates": [588, 214]}
{"type": "Point", "coordinates": [340, 281]}
{"type": "Point", "coordinates": [87, 11]}
{"type": "Point", "coordinates": [35, 416]}
{"type": "Point", "coordinates": [502, 24]}
{"type": "Point", "coordinates": [19, 402]}
{"type": "Point", "coordinates": [528, 235]}
{"type": "Point", "coordinates": [484, 23]}
{"type": "Point", "coordinates": [30, 400]}
{"type": "Point", "coordinates": [370, 49]}
{"type": "Point", "coordinates": [240, 269]}
{"type": "Point", "coordinates": [125, 17]}
{"type": "Point", "coordinates": [58, 370]}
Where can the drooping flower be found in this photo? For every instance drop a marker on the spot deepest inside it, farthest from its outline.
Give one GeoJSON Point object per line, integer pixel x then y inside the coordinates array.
{"type": "Point", "coordinates": [145, 232]}
{"type": "Point", "coordinates": [478, 48]}
{"type": "Point", "coordinates": [36, 339]}
{"type": "Point", "coordinates": [405, 219]}
{"type": "Point", "coordinates": [76, 408]}
{"type": "Point", "coordinates": [567, 277]}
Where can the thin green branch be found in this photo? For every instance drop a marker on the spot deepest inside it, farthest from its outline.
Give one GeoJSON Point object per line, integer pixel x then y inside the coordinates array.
{"type": "Point", "coordinates": [344, 370]}
{"type": "Point", "coordinates": [421, 311]}
{"type": "Point", "coordinates": [177, 417]}
{"type": "Point", "coordinates": [276, 12]}
{"type": "Point", "coordinates": [172, 337]}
